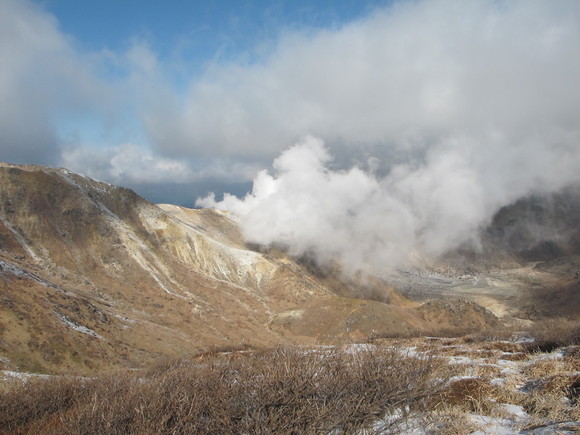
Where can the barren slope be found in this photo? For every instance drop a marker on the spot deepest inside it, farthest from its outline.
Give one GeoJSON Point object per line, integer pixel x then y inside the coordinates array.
{"type": "Point", "coordinates": [526, 266]}
{"type": "Point", "coordinates": [94, 276]}
{"type": "Point", "coordinates": [89, 265]}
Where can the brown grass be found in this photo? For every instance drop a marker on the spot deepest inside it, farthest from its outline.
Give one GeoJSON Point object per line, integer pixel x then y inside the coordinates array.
{"type": "Point", "coordinates": [314, 390]}
{"type": "Point", "coordinates": [449, 420]}
{"type": "Point", "coordinates": [469, 394]}
{"type": "Point", "coordinates": [287, 390]}
{"type": "Point", "coordinates": [547, 334]}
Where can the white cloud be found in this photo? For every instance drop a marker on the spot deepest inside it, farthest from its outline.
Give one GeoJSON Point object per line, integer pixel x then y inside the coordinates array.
{"type": "Point", "coordinates": [402, 77]}
{"type": "Point", "coordinates": [463, 107]}
{"type": "Point", "coordinates": [133, 164]}
{"type": "Point", "coordinates": [377, 223]}
{"type": "Point", "coordinates": [126, 163]}
{"type": "Point", "coordinates": [42, 78]}
{"type": "Point", "coordinates": [487, 90]}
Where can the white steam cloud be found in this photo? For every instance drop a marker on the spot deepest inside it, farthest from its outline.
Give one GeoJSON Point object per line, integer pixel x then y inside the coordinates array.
{"type": "Point", "coordinates": [436, 114]}
{"type": "Point", "coordinates": [376, 223]}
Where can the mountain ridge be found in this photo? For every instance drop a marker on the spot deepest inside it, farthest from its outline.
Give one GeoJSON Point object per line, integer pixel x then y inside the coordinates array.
{"type": "Point", "coordinates": [92, 276]}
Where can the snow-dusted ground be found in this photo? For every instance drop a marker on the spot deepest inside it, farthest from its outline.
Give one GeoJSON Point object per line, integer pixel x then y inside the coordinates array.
{"type": "Point", "coordinates": [511, 367]}
{"type": "Point", "coordinates": [516, 419]}
{"type": "Point", "coordinates": [507, 370]}
{"type": "Point", "coordinates": [75, 326]}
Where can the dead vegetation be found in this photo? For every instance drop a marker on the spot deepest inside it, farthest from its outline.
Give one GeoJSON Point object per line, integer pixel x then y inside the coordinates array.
{"type": "Point", "coordinates": [288, 390]}
{"type": "Point", "coordinates": [526, 380]}
{"type": "Point", "coordinates": [441, 385]}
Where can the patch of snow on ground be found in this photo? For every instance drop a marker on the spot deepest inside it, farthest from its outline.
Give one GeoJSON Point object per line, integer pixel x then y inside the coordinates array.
{"type": "Point", "coordinates": [498, 382]}
{"type": "Point", "coordinates": [21, 273]}
{"type": "Point", "coordinates": [359, 347]}
{"type": "Point", "coordinates": [460, 360]}
{"type": "Point", "coordinates": [508, 367]}
{"type": "Point", "coordinates": [460, 378]}
{"type": "Point", "coordinates": [493, 426]}
{"type": "Point", "coordinates": [22, 241]}
{"type": "Point", "coordinates": [7, 374]}
{"type": "Point", "coordinates": [80, 328]}
{"type": "Point", "coordinates": [516, 410]}
{"type": "Point", "coordinates": [124, 319]}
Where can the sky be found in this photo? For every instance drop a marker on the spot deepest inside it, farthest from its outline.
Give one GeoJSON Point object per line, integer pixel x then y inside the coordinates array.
{"type": "Point", "coordinates": [369, 131]}
{"type": "Point", "coordinates": [104, 87]}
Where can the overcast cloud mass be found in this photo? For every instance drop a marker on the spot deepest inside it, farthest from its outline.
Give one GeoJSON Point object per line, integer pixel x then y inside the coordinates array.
{"type": "Point", "coordinates": [400, 132]}
{"type": "Point", "coordinates": [454, 110]}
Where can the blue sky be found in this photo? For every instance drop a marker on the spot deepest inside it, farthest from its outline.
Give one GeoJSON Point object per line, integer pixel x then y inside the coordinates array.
{"type": "Point", "coordinates": [187, 36]}
{"type": "Point", "coordinates": [197, 31]}
{"type": "Point", "coordinates": [178, 99]}
{"type": "Point", "coordinates": [183, 38]}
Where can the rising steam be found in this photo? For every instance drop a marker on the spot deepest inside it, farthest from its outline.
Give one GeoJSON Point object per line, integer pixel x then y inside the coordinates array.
{"type": "Point", "coordinates": [376, 223]}
{"type": "Point", "coordinates": [435, 114]}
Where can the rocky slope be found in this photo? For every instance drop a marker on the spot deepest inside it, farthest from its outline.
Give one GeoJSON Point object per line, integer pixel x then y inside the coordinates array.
{"type": "Point", "coordinates": [92, 276]}
{"type": "Point", "coordinates": [526, 266]}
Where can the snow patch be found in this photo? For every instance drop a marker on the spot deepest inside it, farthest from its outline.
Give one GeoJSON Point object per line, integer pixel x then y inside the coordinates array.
{"type": "Point", "coordinates": [20, 375]}
{"type": "Point", "coordinates": [460, 360]}
{"type": "Point", "coordinates": [21, 273]}
{"type": "Point", "coordinates": [22, 241]}
{"type": "Point", "coordinates": [515, 410]}
{"type": "Point", "coordinates": [492, 425]}
{"type": "Point", "coordinates": [75, 326]}
{"type": "Point", "coordinates": [497, 382]}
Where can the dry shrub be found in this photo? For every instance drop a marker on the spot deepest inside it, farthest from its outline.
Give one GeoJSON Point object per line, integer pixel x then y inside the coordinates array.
{"type": "Point", "coordinates": [228, 348]}
{"type": "Point", "coordinates": [553, 333]}
{"type": "Point", "coordinates": [547, 335]}
{"type": "Point", "coordinates": [23, 403]}
{"type": "Point", "coordinates": [448, 420]}
{"type": "Point", "coordinates": [435, 332]}
{"type": "Point", "coordinates": [469, 394]}
{"type": "Point", "coordinates": [288, 390]}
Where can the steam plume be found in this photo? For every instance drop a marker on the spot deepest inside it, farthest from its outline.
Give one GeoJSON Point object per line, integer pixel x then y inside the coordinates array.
{"type": "Point", "coordinates": [436, 115]}
{"type": "Point", "coordinates": [424, 206]}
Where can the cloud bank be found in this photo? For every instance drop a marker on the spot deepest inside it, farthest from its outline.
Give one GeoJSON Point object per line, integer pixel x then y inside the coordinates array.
{"type": "Point", "coordinates": [42, 77]}
{"type": "Point", "coordinates": [437, 114]}
{"type": "Point", "coordinates": [391, 84]}
{"type": "Point", "coordinates": [377, 223]}
{"type": "Point", "coordinates": [486, 90]}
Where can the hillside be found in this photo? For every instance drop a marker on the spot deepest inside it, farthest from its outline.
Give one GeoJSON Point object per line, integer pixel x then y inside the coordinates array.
{"type": "Point", "coordinates": [524, 268]}
{"type": "Point", "coordinates": [93, 276]}
{"type": "Point", "coordinates": [228, 337]}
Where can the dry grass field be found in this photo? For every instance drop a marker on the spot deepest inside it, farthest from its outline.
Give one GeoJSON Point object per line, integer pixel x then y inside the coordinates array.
{"type": "Point", "coordinates": [496, 383]}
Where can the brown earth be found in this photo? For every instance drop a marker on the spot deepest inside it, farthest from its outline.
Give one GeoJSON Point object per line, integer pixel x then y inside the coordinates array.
{"type": "Point", "coordinates": [92, 276]}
